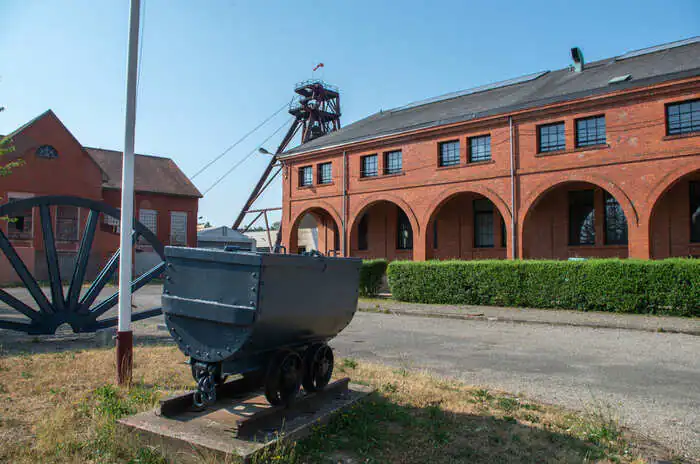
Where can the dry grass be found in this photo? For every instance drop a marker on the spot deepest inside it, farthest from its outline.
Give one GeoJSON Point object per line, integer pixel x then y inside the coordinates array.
{"type": "Point", "coordinates": [62, 407]}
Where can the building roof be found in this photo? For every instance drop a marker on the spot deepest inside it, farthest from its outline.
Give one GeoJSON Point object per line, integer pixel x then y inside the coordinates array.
{"type": "Point", "coordinates": [222, 234]}
{"type": "Point", "coordinates": [152, 174]}
{"type": "Point", "coordinates": [672, 61]}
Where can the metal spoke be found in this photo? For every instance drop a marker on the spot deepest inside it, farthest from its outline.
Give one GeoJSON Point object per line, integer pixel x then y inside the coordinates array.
{"type": "Point", "coordinates": [82, 261]}
{"type": "Point", "coordinates": [102, 279]}
{"type": "Point", "coordinates": [19, 306]}
{"type": "Point", "coordinates": [112, 321]}
{"type": "Point", "coordinates": [12, 325]}
{"type": "Point", "coordinates": [51, 258]}
{"type": "Point", "coordinates": [24, 274]}
{"type": "Point", "coordinates": [106, 304]}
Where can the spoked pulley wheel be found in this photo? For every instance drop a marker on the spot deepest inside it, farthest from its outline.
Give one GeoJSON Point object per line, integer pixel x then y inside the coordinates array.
{"type": "Point", "coordinates": [283, 379]}
{"type": "Point", "coordinates": [318, 367]}
{"type": "Point", "coordinates": [54, 306]}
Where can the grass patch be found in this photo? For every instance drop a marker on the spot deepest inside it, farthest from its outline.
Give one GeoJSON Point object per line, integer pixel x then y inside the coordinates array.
{"type": "Point", "coordinates": [66, 411]}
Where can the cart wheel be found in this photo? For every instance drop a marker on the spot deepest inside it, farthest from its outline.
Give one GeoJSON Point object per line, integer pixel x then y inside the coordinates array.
{"type": "Point", "coordinates": [218, 378]}
{"type": "Point", "coordinates": [318, 367]}
{"type": "Point", "coordinates": [283, 379]}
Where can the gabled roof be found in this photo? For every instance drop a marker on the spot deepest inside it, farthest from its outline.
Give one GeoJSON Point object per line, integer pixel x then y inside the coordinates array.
{"type": "Point", "coordinates": [658, 64]}
{"type": "Point", "coordinates": [222, 234]}
{"type": "Point", "coordinates": [152, 174]}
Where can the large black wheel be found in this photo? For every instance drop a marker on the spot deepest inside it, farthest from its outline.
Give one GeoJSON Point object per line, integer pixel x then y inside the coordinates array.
{"type": "Point", "coordinates": [283, 379]}
{"type": "Point", "coordinates": [318, 367]}
{"type": "Point", "coordinates": [79, 309]}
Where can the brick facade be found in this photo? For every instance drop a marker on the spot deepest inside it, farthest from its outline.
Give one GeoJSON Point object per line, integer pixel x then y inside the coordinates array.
{"type": "Point", "coordinates": [73, 173]}
{"type": "Point", "coordinates": [646, 171]}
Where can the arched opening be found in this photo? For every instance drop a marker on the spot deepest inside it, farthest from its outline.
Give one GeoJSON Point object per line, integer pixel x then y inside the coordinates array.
{"type": "Point", "coordinates": [315, 229]}
{"type": "Point", "coordinates": [466, 226]}
{"type": "Point", "coordinates": [675, 220]}
{"type": "Point", "coordinates": [382, 230]}
{"type": "Point", "coordinates": [575, 220]}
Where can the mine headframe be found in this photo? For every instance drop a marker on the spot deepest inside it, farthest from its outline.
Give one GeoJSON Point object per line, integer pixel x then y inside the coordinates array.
{"type": "Point", "coordinates": [316, 112]}
{"type": "Point", "coordinates": [317, 109]}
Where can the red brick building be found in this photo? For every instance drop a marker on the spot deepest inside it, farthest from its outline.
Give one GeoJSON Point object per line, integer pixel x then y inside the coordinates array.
{"type": "Point", "coordinates": [55, 163]}
{"type": "Point", "coordinates": [598, 159]}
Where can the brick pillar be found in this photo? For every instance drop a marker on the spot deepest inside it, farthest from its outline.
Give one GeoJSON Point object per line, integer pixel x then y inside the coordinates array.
{"type": "Point", "coordinates": [639, 240]}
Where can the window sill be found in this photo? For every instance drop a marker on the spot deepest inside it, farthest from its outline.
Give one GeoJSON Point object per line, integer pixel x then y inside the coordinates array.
{"type": "Point", "coordinates": [394, 174]}
{"type": "Point", "coordinates": [681, 136]}
{"type": "Point", "coordinates": [575, 150]}
{"type": "Point", "coordinates": [327, 184]}
{"type": "Point", "coordinates": [304, 187]}
{"type": "Point", "coordinates": [466, 165]}
{"type": "Point", "coordinates": [362, 179]}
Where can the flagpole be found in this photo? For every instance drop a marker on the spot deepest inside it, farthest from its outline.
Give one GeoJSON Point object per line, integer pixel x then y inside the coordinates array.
{"type": "Point", "coordinates": [124, 334]}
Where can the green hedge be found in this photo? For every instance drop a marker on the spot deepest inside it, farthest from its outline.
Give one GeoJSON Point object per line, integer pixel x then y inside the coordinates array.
{"type": "Point", "coordinates": [371, 275]}
{"type": "Point", "coordinates": [670, 286]}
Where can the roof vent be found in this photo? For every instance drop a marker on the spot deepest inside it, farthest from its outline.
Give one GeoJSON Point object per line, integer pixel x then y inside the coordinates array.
{"type": "Point", "coordinates": [577, 56]}
{"type": "Point", "coordinates": [618, 79]}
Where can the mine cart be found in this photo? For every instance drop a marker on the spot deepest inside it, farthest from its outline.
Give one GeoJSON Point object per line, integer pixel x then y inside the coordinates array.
{"type": "Point", "coordinates": [262, 315]}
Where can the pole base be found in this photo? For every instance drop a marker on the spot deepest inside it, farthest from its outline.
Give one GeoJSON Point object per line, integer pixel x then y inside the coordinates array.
{"type": "Point", "coordinates": [125, 357]}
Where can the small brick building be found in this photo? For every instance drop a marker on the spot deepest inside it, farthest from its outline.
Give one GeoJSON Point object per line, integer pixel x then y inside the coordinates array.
{"type": "Point", "coordinates": [55, 163]}
{"type": "Point", "coordinates": [598, 159]}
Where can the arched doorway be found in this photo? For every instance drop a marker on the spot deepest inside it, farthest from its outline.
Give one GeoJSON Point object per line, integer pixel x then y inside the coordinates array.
{"type": "Point", "coordinates": [382, 230]}
{"type": "Point", "coordinates": [675, 219]}
{"type": "Point", "coordinates": [575, 220]}
{"type": "Point", "coordinates": [466, 225]}
{"type": "Point", "coordinates": [315, 229]}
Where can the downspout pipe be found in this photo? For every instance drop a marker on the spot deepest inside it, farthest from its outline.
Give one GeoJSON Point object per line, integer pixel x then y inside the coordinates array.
{"type": "Point", "coordinates": [345, 203]}
{"type": "Point", "coordinates": [513, 207]}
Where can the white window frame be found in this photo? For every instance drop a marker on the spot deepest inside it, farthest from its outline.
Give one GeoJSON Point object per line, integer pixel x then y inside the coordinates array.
{"type": "Point", "coordinates": [21, 196]}
{"type": "Point", "coordinates": [77, 224]}
{"type": "Point", "coordinates": [173, 238]}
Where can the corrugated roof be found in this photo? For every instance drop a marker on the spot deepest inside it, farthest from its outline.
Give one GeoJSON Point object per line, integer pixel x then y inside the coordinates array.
{"type": "Point", "coordinates": [649, 66]}
{"type": "Point", "coordinates": [152, 174]}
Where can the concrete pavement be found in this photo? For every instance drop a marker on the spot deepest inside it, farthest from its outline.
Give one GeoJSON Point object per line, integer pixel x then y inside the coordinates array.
{"type": "Point", "coordinates": [651, 380]}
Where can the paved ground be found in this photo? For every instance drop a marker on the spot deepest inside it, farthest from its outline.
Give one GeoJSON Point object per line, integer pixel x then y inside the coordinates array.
{"type": "Point", "coordinates": [652, 380]}
{"type": "Point", "coordinates": [647, 323]}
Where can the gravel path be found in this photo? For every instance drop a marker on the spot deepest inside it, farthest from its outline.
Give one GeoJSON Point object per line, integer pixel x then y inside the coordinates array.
{"type": "Point", "coordinates": [651, 380]}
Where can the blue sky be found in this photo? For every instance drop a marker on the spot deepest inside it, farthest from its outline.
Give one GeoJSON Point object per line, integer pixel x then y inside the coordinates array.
{"type": "Point", "coordinates": [212, 70]}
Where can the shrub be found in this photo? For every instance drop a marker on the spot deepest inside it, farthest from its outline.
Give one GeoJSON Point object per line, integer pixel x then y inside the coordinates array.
{"type": "Point", "coordinates": [371, 275]}
{"type": "Point", "coordinates": [669, 286]}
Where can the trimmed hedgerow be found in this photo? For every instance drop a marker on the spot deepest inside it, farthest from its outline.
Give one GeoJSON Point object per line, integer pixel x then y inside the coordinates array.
{"type": "Point", "coordinates": [371, 275]}
{"type": "Point", "coordinates": [669, 286]}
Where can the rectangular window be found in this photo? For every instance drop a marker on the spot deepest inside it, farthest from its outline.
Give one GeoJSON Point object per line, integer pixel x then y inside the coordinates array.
{"type": "Point", "coordinates": [479, 148]}
{"type": "Point", "coordinates": [449, 153]}
{"type": "Point", "coordinates": [369, 166]}
{"type": "Point", "coordinates": [148, 218]}
{"type": "Point", "coordinates": [67, 223]}
{"type": "Point", "coordinates": [581, 218]}
{"type": "Point", "coordinates": [435, 234]}
{"type": "Point", "coordinates": [550, 137]}
{"type": "Point", "coordinates": [393, 162]}
{"type": "Point", "coordinates": [362, 231]}
{"type": "Point", "coordinates": [615, 222]}
{"type": "Point", "coordinates": [504, 234]}
{"type": "Point", "coordinates": [590, 131]}
{"type": "Point", "coordinates": [325, 173]}
{"type": "Point", "coordinates": [683, 118]}
{"type": "Point", "coordinates": [306, 176]}
{"type": "Point", "coordinates": [404, 233]}
{"type": "Point", "coordinates": [178, 228]}
{"type": "Point", "coordinates": [695, 212]}
{"type": "Point", "coordinates": [20, 225]}
{"type": "Point", "coordinates": [483, 224]}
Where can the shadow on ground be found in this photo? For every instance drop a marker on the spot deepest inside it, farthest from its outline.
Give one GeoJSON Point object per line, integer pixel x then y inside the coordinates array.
{"type": "Point", "coordinates": [380, 430]}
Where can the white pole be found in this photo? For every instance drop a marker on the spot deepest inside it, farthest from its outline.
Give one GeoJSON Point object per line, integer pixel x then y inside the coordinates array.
{"type": "Point", "coordinates": [127, 203]}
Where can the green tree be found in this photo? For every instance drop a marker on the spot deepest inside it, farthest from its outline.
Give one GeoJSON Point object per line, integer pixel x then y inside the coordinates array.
{"type": "Point", "coordinates": [5, 148]}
